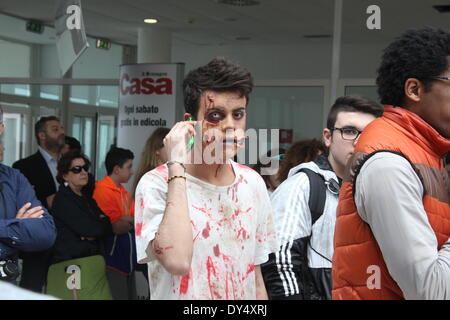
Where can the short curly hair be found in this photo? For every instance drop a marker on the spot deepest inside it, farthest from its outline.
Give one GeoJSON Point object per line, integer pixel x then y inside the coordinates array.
{"type": "Point", "coordinates": [417, 53]}
{"type": "Point", "coordinates": [218, 75]}
{"type": "Point", "coordinates": [65, 163]}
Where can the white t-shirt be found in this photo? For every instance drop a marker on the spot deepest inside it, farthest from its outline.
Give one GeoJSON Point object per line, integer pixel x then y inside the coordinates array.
{"type": "Point", "coordinates": [232, 228]}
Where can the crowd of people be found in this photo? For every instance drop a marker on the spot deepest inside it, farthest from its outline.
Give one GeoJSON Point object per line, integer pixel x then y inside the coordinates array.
{"type": "Point", "coordinates": [363, 214]}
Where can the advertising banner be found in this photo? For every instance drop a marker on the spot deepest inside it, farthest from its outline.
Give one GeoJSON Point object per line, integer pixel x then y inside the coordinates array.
{"type": "Point", "coordinates": [150, 97]}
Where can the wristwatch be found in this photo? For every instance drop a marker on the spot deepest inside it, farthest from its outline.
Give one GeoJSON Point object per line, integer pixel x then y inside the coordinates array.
{"type": "Point", "coordinates": [169, 163]}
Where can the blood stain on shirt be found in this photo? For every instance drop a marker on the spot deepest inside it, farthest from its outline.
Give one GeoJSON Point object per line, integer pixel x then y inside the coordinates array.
{"type": "Point", "coordinates": [210, 268]}
{"type": "Point", "coordinates": [216, 251]}
{"type": "Point", "coordinates": [242, 231]}
{"type": "Point", "coordinates": [138, 229]}
{"type": "Point", "coordinates": [161, 168]}
{"type": "Point", "coordinates": [200, 209]}
{"type": "Point", "coordinates": [205, 232]}
{"type": "Point", "coordinates": [184, 283]}
{"type": "Point", "coordinates": [250, 269]}
{"type": "Point", "coordinates": [196, 236]}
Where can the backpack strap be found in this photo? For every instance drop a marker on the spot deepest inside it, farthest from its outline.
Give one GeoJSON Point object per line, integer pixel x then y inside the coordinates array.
{"type": "Point", "coordinates": [316, 202]}
{"type": "Point", "coordinates": [317, 193]}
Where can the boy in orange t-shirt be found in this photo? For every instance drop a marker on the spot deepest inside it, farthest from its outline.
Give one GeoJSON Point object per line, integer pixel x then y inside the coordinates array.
{"type": "Point", "coordinates": [114, 200]}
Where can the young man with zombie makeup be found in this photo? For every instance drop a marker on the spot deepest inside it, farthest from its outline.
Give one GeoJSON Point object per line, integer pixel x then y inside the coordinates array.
{"type": "Point", "coordinates": [204, 227]}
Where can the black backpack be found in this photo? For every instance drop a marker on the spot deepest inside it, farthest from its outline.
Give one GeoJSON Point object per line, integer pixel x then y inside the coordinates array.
{"type": "Point", "coordinates": [317, 193]}
{"type": "Point", "coordinates": [317, 282]}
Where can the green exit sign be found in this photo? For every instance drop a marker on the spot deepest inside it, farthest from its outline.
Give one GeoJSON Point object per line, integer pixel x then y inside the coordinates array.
{"type": "Point", "coordinates": [103, 44]}
{"type": "Point", "coordinates": [34, 26]}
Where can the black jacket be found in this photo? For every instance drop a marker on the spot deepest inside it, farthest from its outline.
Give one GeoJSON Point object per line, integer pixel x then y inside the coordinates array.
{"type": "Point", "coordinates": [35, 169]}
{"type": "Point", "coordinates": [76, 218]}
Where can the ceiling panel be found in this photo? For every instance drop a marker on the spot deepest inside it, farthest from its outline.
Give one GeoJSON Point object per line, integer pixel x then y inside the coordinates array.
{"type": "Point", "coordinates": [207, 22]}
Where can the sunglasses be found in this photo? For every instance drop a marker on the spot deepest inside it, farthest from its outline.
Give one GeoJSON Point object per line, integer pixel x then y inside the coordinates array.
{"type": "Point", "coordinates": [77, 169]}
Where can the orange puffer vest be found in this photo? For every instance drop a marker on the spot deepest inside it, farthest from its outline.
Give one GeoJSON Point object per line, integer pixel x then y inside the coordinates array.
{"type": "Point", "coordinates": [400, 131]}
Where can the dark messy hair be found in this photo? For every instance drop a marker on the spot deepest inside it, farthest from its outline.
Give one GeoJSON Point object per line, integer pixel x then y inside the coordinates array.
{"type": "Point", "coordinates": [72, 142]}
{"type": "Point", "coordinates": [300, 152]}
{"type": "Point", "coordinates": [218, 75]}
{"type": "Point", "coordinates": [352, 103]}
{"type": "Point", "coordinates": [117, 157]}
{"type": "Point", "coordinates": [418, 54]}
{"type": "Point", "coordinates": [259, 165]}
{"type": "Point", "coordinates": [65, 163]}
{"type": "Point", "coordinates": [41, 125]}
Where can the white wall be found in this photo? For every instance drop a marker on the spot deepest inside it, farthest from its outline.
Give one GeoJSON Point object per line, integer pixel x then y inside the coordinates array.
{"type": "Point", "coordinates": [49, 62]}
{"type": "Point", "coordinates": [98, 63]}
{"type": "Point", "coordinates": [268, 62]}
{"type": "Point", "coordinates": [14, 59]}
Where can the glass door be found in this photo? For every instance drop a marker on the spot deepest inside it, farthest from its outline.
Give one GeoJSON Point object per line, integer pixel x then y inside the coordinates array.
{"type": "Point", "coordinates": [12, 138]}
{"type": "Point", "coordinates": [15, 137]}
{"type": "Point", "coordinates": [106, 137]}
{"type": "Point", "coordinates": [83, 129]}
{"type": "Point", "coordinates": [296, 111]}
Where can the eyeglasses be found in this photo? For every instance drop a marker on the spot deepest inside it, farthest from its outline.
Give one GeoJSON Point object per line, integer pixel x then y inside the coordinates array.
{"type": "Point", "coordinates": [77, 169]}
{"type": "Point", "coordinates": [440, 78]}
{"type": "Point", "coordinates": [348, 133]}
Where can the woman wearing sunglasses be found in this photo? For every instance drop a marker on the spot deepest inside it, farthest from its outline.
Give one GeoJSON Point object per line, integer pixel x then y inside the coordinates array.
{"type": "Point", "coordinates": [81, 227]}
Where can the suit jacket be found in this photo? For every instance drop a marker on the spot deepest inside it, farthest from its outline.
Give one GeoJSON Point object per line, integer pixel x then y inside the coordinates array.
{"type": "Point", "coordinates": [36, 170]}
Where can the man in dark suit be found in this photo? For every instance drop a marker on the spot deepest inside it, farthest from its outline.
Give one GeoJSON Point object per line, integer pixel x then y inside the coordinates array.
{"type": "Point", "coordinates": [40, 169]}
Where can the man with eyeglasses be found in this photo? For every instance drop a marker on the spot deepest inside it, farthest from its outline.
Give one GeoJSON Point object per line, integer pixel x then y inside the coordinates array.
{"type": "Point", "coordinates": [304, 207]}
{"type": "Point", "coordinates": [392, 237]}
{"type": "Point", "coordinates": [25, 224]}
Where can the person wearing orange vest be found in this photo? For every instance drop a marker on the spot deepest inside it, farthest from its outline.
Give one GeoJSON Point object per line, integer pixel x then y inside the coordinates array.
{"type": "Point", "coordinates": [393, 217]}
{"type": "Point", "coordinates": [115, 202]}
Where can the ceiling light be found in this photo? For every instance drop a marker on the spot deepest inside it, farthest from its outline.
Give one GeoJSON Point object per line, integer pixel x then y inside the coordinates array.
{"type": "Point", "coordinates": [151, 20]}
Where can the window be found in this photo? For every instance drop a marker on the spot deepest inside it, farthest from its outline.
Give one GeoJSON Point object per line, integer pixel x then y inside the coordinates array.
{"type": "Point", "coordinates": [104, 96]}
{"type": "Point", "coordinates": [83, 131]}
{"type": "Point", "coordinates": [15, 62]}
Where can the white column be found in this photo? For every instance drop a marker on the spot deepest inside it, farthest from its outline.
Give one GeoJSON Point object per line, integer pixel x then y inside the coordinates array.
{"type": "Point", "coordinates": [336, 49]}
{"type": "Point", "coordinates": [154, 45]}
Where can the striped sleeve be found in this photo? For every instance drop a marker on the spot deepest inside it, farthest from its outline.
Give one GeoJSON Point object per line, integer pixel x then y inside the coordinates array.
{"type": "Point", "coordinates": [282, 273]}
